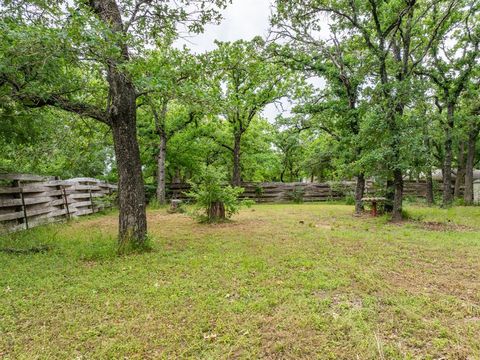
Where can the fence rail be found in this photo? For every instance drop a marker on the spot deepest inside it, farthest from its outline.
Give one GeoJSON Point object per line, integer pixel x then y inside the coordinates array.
{"type": "Point", "coordinates": [30, 200]}
{"type": "Point", "coordinates": [27, 201]}
{"type": "Point", "coordinates": [308, 192]}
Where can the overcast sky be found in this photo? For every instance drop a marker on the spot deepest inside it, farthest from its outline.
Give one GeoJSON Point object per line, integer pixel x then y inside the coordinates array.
{"type": "Point", "coordinates": [243, 19]}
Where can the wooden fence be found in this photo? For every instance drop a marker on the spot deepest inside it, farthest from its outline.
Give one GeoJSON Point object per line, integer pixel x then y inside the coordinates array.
{"type": "Point", "coordinates": [30, 200]}
{"type": "Point", "coordinates": [307, 192]}
{"type": "Point", "coordinates": [27, 201]}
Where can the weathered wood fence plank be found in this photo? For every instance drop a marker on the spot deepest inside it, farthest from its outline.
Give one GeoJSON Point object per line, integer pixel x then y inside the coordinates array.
{"type": "Point", "coordinates": [31, 200]}
{"type": "Point", "coordinates": [308, 192]}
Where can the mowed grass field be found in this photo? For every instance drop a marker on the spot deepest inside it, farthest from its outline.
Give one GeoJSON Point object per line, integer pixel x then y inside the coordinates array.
{"type": "Point", "coordinates": [279, 282]}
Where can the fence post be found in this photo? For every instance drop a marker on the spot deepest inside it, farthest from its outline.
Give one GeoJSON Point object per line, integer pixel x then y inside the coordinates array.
{"type": "Point", "coordinates": [91, 200]}
{"type": "Point", "coordinates": [65, 201]}
{"type": "Point", "coordinates": [25, 217]}
{"type": "Point", "coordinates": [110, 204]}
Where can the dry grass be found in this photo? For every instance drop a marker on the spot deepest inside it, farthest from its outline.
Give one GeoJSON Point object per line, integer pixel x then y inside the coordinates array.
{"type": "Point", "coordinates": [280, 282]}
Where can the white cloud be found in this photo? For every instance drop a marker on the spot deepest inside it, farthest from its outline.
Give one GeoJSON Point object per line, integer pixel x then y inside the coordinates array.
{"type": "Point", "coordinates": [243, 19]}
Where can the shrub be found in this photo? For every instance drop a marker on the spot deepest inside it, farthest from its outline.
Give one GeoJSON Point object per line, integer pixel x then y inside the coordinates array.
{"type": "Point", "coordinates": [297, 194]}
{"type": "Point", "coordinates": [214, 200]}
{"type": "Point", "coordinates": [106, 201]}
{"type": "Point", "coordinates": [259, 191]}
{"type": "Point", "coordinates": [349, 199]}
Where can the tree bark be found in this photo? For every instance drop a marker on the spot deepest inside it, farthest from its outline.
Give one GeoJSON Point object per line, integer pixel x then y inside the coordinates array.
{"type": "Point", "coordinates": [131, 193]}
{"type": "Point", "coordinates": [122, 113]}
{"type": "Point", "coordinates": [429, 191]}
{"type": "Point", "coordinates": [389, 195]}
{"type": "Point", "coordinates": [359, 191]}
{"type": "Point", "coordinates": [398, 197]}
{"type": "Point", "coordinates": [460, 176]}
{"type": "Point", "coordinates": [162, 154]}
{"type": "Point", "coordinates": [237, 175]}
{"type": "Point", "coordinates": [216, 212]}
{"type": "Point", "coordinates": [447, 164]}
{"type": "Point", "coordinates": [471, 147]}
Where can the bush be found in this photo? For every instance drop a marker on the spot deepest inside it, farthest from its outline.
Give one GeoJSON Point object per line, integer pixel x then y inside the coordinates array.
{"type": "Point", "coordinates": [214, 200]}
{"type": "Point", "coordinates": [297, 194]}
{"type": "Point", "coordinates": [259, 191]}
{"type": "Point", "coordinates": [349, 199]}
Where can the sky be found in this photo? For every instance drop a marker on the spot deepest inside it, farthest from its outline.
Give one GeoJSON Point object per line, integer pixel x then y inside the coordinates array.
{"type": "Point", "coordinates": [243, 19]}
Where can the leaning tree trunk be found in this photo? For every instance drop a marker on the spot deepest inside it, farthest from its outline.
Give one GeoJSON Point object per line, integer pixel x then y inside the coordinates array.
{"type": "Point", "coordinates": [447, 164]}
{"type": "Point", "coordinates": [237, 176]}
{"type": "Point", "coordinates": [472, 141]}
{"type": "Point", "coordinates": [460, 177]}
{"type": "Point", "coordinates": [359, 191]}
{"type": "Point", "coordinates": [397, 214]}
{"type": "Point", "coordinates": [162, 154]}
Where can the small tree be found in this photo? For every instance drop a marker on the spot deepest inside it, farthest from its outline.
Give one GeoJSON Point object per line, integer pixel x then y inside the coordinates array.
{"type": "Point", "coordinates": [215, 201]}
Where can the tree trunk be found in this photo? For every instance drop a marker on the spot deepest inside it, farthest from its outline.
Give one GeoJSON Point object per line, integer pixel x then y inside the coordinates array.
{"type": "Point", "coordinates": [398, 197]}
{"type": "Point", "coordinates": [359, 191]}
{"type": "Point", "coordinates": [131, 193]}
{"type": "Point", "coordinates": [162, 154]}
{"type": "Point", "coordinates": [447, 164]}
{"type": "Point", "coordinates": [460, 177]}
{"type": "Point", "coordinates": [237, 176]}
{"type": "Point", "coordinates": [429, 191]}
{"type": "Point", "coordinates": [471, 147]}
{"type": "Point", "coordinates": [216, 212]}
{"type": "Point", "coordinates": [390, 196]}
{"type": "Point", "coordinates": [122, 113]}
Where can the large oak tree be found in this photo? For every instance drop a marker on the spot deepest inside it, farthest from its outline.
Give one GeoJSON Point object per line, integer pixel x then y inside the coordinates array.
{"type": "Point", "coordinates": [73, 55]}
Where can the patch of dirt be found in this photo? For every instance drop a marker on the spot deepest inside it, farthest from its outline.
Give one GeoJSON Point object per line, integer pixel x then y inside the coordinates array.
{"type": "Point", "coordinates": [365, 215]}
{"type": "Point", "coordinates": [434, 225]}
{"type": "Point", "coordinates": [438, 226]}
{"type": "Point", "coordinates": [338, 300]}
{"type": "Point", "coordinates": [324, 226]}
{"type": "Point", "coordinates": [286, 340]}
{"type": "Point", "coordinates": [442, 277]}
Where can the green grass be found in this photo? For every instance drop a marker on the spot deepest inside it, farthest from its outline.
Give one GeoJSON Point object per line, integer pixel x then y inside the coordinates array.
{"type": "Point", "coordinates": [262, 286]}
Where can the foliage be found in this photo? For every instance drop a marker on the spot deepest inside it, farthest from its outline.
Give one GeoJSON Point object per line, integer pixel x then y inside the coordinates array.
{"type": "Point", "coordinates": [379, 90]}
{"type": "Point", "coordinates": [51, 143]}
{"type": "Point", "coordinates": [209, 189]}
{"type": "Point", "coordinates": [297, 194]}
{"type": "Point", "coordinates": [244, 82]}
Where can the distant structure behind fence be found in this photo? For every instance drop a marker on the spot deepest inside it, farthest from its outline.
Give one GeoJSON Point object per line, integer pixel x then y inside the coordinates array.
{"type": "Point", "coordinates": [27, 201]}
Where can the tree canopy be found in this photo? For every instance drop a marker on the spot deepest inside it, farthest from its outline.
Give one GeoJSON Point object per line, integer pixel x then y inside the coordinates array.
{"type": "Point", "coordinates": [364, 90]}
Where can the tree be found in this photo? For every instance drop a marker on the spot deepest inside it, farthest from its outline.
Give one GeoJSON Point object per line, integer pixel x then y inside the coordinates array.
{"type": "Point", "coordinates": [96, 37]}
{"type": "Point", "coordinates": [393, 33]}
{"type": "Point", "coordinates": [450, 68]}
{"type": "Point", "coordinates": [215, 201]}
{"type": "Point", "coordinates": [245, 82]}
{"type": "Point", "coordinates": [53, 142]}
{"type": "Point", "coordinates": [168, 77]}
{"type": "Point", "coordinates": [473, 131]}
{"type": "Point", "coordinates": [335, 109]}
{"type": "Point", "coordinates": [290, 146]}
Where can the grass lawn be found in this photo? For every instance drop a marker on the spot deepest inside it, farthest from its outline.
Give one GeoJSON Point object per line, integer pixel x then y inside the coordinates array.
{"type": "Point", "coordinates": [280, 282]}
